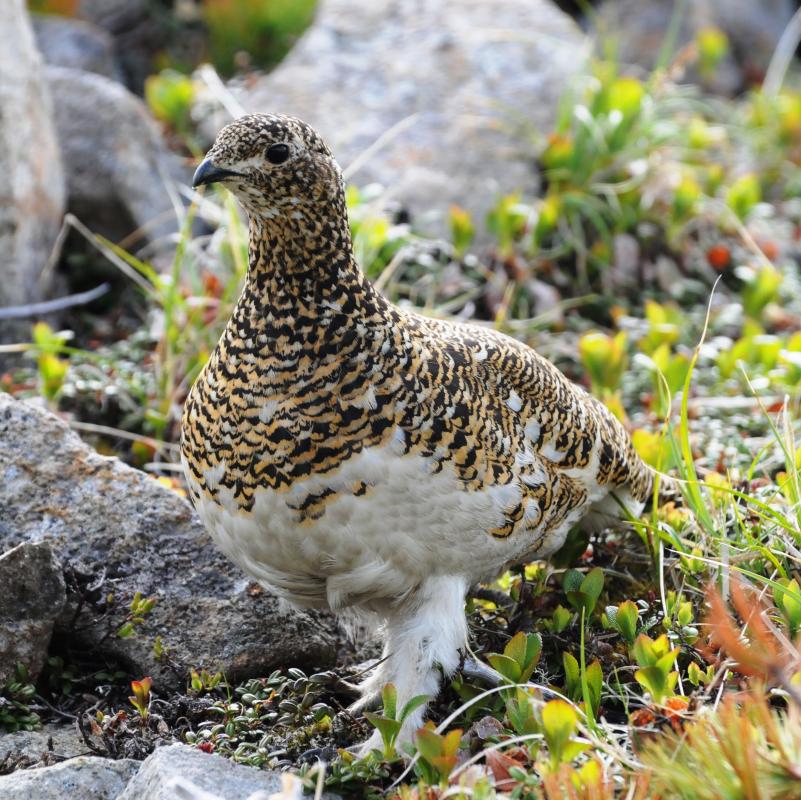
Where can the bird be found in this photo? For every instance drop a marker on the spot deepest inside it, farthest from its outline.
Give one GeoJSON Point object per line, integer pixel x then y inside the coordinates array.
{"type": "Point", "coordinates": [356, 456]}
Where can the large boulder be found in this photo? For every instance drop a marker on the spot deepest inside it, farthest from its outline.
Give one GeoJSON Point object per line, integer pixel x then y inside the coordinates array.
{"type": "Point", "coordinates": [118, 531]}
{"type": "Point", "coordinates": [83, 778]}
{"type": "Point", "coordinates": [637, 29]}
{"type": "Point", "coordinates": [455, 91]}
{"type": "Point", "coordinates": [32, 185]}
{"type": "Point", "coordinates": [33, 597]}
{"type": "Point", "coordinates": [66, 42]}
{"type": "Point", "coordinates": [120, 175]}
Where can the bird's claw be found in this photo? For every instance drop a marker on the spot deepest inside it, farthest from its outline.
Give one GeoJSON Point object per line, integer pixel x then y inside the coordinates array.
{"type": "Point", "coordinates": [473, 668]}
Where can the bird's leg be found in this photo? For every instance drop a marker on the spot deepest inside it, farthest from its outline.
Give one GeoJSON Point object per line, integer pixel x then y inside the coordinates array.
{"type": "Point", "coordinates": [423, 636]}
{"type": "Point", "coordinates": [370, 688]}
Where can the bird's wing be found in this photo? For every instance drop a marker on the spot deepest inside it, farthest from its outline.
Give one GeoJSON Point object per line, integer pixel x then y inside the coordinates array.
{"type": "Point", "coordinates": [533, 412]}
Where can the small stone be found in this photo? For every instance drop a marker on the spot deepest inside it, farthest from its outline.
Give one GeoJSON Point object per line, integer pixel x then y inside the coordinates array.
{"type": "Point", "coordinates": [33, 596]}
{"type": "Point", "coordinates": [198, 775]}
{"type": "Point", "coordinates": [83, 778]}
{"type": "Point", "coordinates": [51, 743]}
{"type": "Point", "coordinates": [487, 727]}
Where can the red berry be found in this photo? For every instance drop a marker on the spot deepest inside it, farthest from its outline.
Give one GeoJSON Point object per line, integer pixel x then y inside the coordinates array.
{"type": "Point", "coordinates": [718, 257]}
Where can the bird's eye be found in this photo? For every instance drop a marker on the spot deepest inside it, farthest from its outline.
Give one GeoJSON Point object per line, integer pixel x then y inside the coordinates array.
{"type": "Point", "coordinates": [277, 153]}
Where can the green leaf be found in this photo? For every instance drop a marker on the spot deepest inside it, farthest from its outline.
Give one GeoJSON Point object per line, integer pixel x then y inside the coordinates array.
{"type": "Point", "coordinates": [533, 653]}
{"type": "Point", "coordinates": [581, 600]}
{"type": "Point", "coordinates": [593, 584]}
{"type": "Point", "coordinates": [411, 705]}
{"type": "Point", "coordinates": [626, 620]}
{"type": "Point", "coordinates": [666, 662]}
{"type": "Point", "coordinates": [625, 95]}
{"type": "Point", "coordinates": [388, 728]}
{"type": "Point", "coordinates": [508, 667]}
{"type": "Point", "coordinates": [125, 630]}
{"type": "Point", "coordinates": [451, 742]}
{"type": "Point", "coordinates": [571, 582]}
{"type": "Point", "coordinates": [462, 229]}
{"type": "Point", "coordinates": [169, 96]}
{"type": "Point", "coordinates": [760, 289]}
{"type": "Point", "coordinates": [595, 679]}
{"type": "Point", "coordinates": [520, 713]}
{"type": "Point", "coordinates": [561, 619]}
{"type": "Point", "coordinates": [516, 648]}
{"type": "Point", "coordinates": [559, 720]}
{"type": "Point", "coordinates": [572, 750]}
{"type": "Point", "coordinates": [744, 194]}
{"type": "Point", "coordinates": [572, 676]}
{"type": "Point", "coordinates": [429, 743]}
{"type": "Point", "coordinates": [643, 651]}
{"type": "Point", "coordinates": [653, 680]}
{"type": "Point", "coordinates": [389, 698]}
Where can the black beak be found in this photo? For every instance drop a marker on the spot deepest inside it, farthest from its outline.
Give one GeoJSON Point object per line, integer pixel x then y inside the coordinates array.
{"type": "Point", "coordinates": [207, 172]}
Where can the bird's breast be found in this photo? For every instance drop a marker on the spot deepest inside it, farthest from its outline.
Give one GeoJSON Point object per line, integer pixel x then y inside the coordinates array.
{"type": "Point", "coordinates": [379, 524]}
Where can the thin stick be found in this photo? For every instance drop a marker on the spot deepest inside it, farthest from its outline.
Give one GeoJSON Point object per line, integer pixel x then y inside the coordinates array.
{"type": "Point", "coordinates": [385, 138]}
{"type": "Point", "coordinates": [389, 271]}
{"type": "Point", "coordinates": [51, 306]}
{"type": "Point", "coordinates": [105, 430]}
{"type": "Point", "coordinates": [227, 100]}
{"type": "Point", "coordinates": [783, 56]}
{"type": "Point", "coordinates": [55, 254]}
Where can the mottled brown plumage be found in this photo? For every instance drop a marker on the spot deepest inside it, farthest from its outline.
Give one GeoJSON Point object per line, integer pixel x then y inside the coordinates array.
{"type": "Point", "coordinates": [351, 454]}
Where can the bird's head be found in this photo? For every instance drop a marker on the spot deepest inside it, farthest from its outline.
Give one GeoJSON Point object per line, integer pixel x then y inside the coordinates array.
{"type": "Point", "coordinates": [275, 165]}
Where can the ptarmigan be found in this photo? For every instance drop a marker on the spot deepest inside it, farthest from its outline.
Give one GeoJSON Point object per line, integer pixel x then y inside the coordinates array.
{"type": "Point", "coordinates": [349, 454]}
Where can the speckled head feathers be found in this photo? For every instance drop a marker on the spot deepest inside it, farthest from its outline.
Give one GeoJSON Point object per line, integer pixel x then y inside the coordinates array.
{"type": "Point", "coordinates": [271, 162]}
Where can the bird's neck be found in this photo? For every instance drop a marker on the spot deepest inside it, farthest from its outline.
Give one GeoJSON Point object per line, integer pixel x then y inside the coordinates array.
{"type": "Point", "coordinates": [303, 268]}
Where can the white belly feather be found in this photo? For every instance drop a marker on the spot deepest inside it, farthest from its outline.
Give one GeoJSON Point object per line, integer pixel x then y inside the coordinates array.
{"type": "Point", "coordinates": [369, 549]}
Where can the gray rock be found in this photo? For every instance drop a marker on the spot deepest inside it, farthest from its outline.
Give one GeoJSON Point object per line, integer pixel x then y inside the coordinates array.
{"type": "Point", "coordinates": [50, 744]}
{"type": "Point", "coordinates": [65, 42]}
{"type": "Point", "coordinates": [120, 175]}
{"type": "Point", "coordinates": [32, 187]}
{"type": "Point", "coordinates": [638, 29]}
{"type": "Point", "coordinates": [198, 775]}
{"type": "Point", "coordinates": [120, 531]}
{"type": "Point", "coordinates": [114, 15]}
{"type": "Point", "coordinates": [456, 87]}
{"type": "Point", "coordinates": [141, 32]}
{"type": "Point", "coordinates": [81, 778]}
{"type": "Point", "coordinates": [33, 596]}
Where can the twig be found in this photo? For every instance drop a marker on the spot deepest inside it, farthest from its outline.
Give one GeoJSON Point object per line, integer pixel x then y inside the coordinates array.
{"type": "Point", "coordinates": [218, 89]}
{"type": "Point", "coordinates": [782, 56]}
{"type": "Point", "coordinates": [385, 138]}
{"type": "Point", "coordinates": [55, 254]}
{"type": "Point", "coordinates": [71, 221]}
{"type": "Point", "coordinates": [51, 306]}
{"type": "Point", "coordinates": [55, 710]}
{"type": "Point", "coordinates": [389, 271]}
{"type": "Point", "coordinates": [105, 430]}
